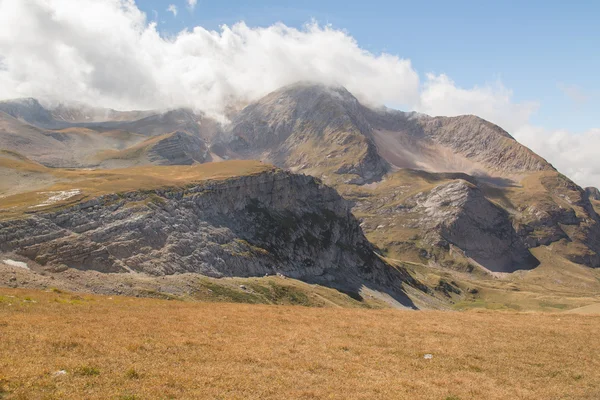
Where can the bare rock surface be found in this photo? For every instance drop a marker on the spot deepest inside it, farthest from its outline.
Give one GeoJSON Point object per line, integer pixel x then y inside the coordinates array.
{"type": "Point", "coordinates": [458, 213]}
{"type": "Point", "coordinates": [593, 193]}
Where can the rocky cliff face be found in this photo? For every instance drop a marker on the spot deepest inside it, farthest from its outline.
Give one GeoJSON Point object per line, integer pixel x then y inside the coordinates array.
{"type": "Point", "coordinates": [593, 193]}
{"type": "Point", "coordinates": [457, 213]}
{"type": "Point", "coordinates": [179, 148]}
{"type": "Point", "coordinates": [268, 223]}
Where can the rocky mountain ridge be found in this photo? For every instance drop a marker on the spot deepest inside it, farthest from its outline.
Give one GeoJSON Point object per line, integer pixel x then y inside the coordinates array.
{"type": "Point", "coordinates": [264, 224]}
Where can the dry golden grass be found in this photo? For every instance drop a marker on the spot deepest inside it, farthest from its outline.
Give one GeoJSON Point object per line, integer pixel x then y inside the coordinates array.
{"type": "Point", "coordinates": [94, 183]}
{"type": "Point", "coordinates": [126, 348]}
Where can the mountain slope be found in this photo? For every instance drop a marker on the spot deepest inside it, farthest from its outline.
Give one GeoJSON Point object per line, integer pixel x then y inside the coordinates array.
{"type": "Point", "coordinates": [450, 144]}
{"type": "Point", "coordinates": [321, 129]}
{"type": "Point", "coordinates": [83, 136]}
{"type": "Point", "coordinates": [514, 200]}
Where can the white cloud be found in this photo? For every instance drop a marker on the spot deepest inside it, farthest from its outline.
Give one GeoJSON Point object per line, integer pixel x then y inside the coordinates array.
{"type": "Point", "coordinates": [108, 53]}
{"type": "Point", "coordinates": [192, 4]}
{"type": "Point", "coordinates": [172, 8]}
{"type": "Point", "coordinates": [441, 96]}
{"type": "Point", "coordinates": [573, 154]}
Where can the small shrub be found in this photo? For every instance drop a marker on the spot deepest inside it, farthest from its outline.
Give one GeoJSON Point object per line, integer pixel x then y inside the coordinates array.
{"type": "Point", "coordinates": [65, 345]}
{"type": "Point", "coordinates": [87, 371]}
{"type": "Point", "coordinates": [128, 397]}
{"type": "Point", "coordinates": [132, 374]}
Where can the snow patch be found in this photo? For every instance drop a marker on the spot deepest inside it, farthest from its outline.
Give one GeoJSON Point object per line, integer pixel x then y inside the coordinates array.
{"type": "Point", "coordinates": [14, 263]}
{"type": "Point", "coordinates": [55, 197]}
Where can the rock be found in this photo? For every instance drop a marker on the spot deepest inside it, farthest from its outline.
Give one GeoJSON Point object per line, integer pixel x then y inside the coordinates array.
{"type": "Point", "coordinates": [244, 226]}
{"type": "Point", "coordinates": [593, 193]}
{"type": "Point", "coordinates": [178, 148]}
{"type": "Point", "coordinates": [457, 212]}
{"type": "Point", "coordinates": [447, 288]}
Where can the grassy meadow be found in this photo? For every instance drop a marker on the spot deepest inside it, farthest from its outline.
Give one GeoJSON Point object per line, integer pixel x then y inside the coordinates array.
{"type": "Point", "coordinates": [93, 183]}
{"type": "Point", "coordinates": [58, 345]}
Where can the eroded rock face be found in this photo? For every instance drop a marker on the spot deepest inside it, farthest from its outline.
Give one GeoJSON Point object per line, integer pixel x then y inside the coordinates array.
{"type": "Point", "coordinates": [458, 213]}
{"type": "Point", "coordinates": [247, 226]}
{"type": "Point", "coordinates": [179, 148]}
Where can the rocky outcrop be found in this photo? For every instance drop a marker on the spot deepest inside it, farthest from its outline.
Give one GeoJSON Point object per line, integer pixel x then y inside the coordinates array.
{"type": "Point", "coordinates": [261, 224]}
{"type": "Point", "coordinates": [593, 193]}
{"type": "Point", "coordinates": [457, 213]}
{"type": "Point", "coordinates": [179, 148]}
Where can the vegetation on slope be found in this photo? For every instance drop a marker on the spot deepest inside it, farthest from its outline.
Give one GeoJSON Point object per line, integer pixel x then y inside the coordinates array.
{"type": "Point", "coordinates": [92, 183]}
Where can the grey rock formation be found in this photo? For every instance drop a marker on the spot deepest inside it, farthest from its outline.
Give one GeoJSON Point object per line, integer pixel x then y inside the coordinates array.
{"type": "Point", "coordinates": [458, 213]}
{"type": "Point", "coordinates": [178, 148]}
{"type": "Point", "coordinates": [248, 226]}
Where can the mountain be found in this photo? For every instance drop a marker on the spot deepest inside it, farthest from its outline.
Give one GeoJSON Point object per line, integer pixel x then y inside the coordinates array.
{"type": "Point", "coordinates": [309, 128]}
{"type": "Point", "coordinates": [456, 203]}
{"type": "Point", "coordinates": [59, 116]}
{"type": "Point", "coordinates": [83, 136]}
{"type": "Point", "coordinates": [509, 201]}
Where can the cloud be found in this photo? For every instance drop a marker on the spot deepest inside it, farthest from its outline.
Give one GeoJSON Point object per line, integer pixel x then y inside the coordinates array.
{"type": "Point", "coordinates": [573, 154]}
{"type": "Point", "coordinates": [441, 96]}
{"type": "Point", "coordinates": [576, 94]}
{"type": "Point", "coordinates": [192, 4]}
{"type": "Point", "coordinates": [172, 8]}
{"type": "Point", "coordinates": [108, 53]}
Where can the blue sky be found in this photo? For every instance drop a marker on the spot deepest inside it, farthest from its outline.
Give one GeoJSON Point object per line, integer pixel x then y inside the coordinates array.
{"type": "Point", "coordinates": [544, 51]}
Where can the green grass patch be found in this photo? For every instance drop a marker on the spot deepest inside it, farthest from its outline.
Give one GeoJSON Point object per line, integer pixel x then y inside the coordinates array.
{"type": "Point", "coordinates": [548, 304]}
{"type": "Point", "coordinates": [87, 370]}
